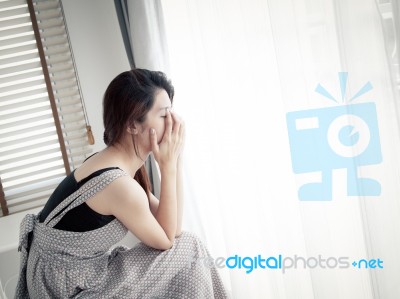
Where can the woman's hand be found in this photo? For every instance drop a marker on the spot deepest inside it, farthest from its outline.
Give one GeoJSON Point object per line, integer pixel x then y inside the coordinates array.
{"type": "Point", "coordinates": [168, 151]}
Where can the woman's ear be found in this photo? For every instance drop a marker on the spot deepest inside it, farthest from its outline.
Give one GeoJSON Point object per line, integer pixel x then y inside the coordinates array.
{"type": "Point", "coordinates": [132, 128]}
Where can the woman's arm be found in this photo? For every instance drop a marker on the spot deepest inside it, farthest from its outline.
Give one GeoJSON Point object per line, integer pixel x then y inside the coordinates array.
{"type": "Point", "coordinates": [179, 196]}
{"type": "Point", "coordinates": [130, 205]}
{"type": "Point", "coordinates": [167, 154]}
{"type": "Point", "coordinates": [167, 210]}
{"type": "Point", "coordinates": [154, 202]}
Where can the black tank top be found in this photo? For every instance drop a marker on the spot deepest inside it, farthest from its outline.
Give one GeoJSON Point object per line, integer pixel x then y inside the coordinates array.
{"type": "Point", "coordinates": [81, 218]}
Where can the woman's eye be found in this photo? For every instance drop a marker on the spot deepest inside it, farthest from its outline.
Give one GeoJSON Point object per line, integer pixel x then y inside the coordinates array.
{"type": "Point", "coordinates": [164, 116]}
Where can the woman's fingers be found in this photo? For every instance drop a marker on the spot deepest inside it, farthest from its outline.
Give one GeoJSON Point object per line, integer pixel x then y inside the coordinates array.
{"type": "Point", "coordinates": [153, 140]}
{"type": "Point", "coordinates": [182, 136]}
{"type": "Point", "coordinates": [183, 130]}
{"type": "Point", "coordinates": [180, 130]}
{"type": "Point", "coordinates": [177, 123]}
{"type": "Point", "coordinates": [172, 143]}
{"type": "Point", "coordinates": [168, 128]}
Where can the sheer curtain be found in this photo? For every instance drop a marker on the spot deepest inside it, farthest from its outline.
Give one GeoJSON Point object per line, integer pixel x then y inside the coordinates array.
{"type": "Point", "coordinates": [238, 68]}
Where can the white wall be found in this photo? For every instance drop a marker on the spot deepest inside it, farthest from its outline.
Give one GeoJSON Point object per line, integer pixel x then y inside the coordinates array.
{"type": "Point", "coordinates": [99, 53]}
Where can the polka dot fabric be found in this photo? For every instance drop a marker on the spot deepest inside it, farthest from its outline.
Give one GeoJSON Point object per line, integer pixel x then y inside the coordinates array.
{"type": "Point", "coordinates": [64, 264]}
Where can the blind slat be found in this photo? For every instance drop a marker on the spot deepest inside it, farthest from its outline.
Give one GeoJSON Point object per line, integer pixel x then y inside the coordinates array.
{"type": "Point", "coordinates": [16, 41]}
{"type": "Point", "coordinates": [55, 40]}
{"type": "Point", "coordinates": [24, 94]}
{"type": "Point", "coordinates": [29, 76]}
{"type": "Point", "coordinates": [20, 124]}
{"type": "Point", "coordinates": [28, 206]}
{"type": "Point", "coordinates": [79, 135]}
{"type": "Point", "coordinates": [44, 24]}
{"type": "Point", "coordinates": [10, 4]}
{"type": "Point", "coordinates": [23, 101]}
{"type": "Point", "coordinates": [16, 22]}
{"type": "Point", "coordinates": [75, 126]}
{"type": "Point", "coordinates": [60, 67]}
{"type": "Point", "coordinates": [64, 75]}
{"type": "Point", "coordinates": [63, 93]}
{"type": "Point", "coordinates": [20, 151]}
{"type": "Point", "coordinates": [45, 151]}
{"type": "Point", "coordinates": [70, 101]}
{"type": "Point", "coordinates": [56, 174]}
{"type": "Point", "coordinates": [22, 85]}
{"type": "Point", "coordinates": [30, 201]}
{"type": "Point", "coordinates": [5, 72]}
{"type": "Point", "coordinates": [54, 31]}
{"type": "Point", "coordinates": [19, 11]}
{"type": "Point", "coordinates": [22, 139]}
{"type": "Point", "coordinates": [23, 105]}
{"type": "Point", "coordinates": [15, 131]}
{"type": "Point", "coordinates": [57, 49]}
{"type": "Point", "coordinates": [15, 31]}
{"type": "Point", "coordinates": [21, 77]}
{"type": "Point", "coordinates": [66, 111]}
{"type": "Point", "coordinates": [26, 174]}
{"type": "Point", "coordinates": [46, 5]}
{"type": "Point", "coordinates": [19, 59]}
{"type": "Point", "coordinates": [35, 193]}
{"type": "Point", "coordinates": [18, 92]}
{"type": "Point", "coordinates": [37, 162]}
{"type": "Point", "coordinates": [21, 114]}
{"type": "Point", "coordinates": [68, 83]}
{"type": "Point", "coordinates": [81, 152]}
{"type": "Point", "coordinates": [34, 188]}
{"type": "Point", "coordinates": [74, 147]}
{"type": "Point", "coordinates": [59, 58]}
{"type": "Point", "coordinates": [46, 14]}
{"type": "Point", "coordinates": [18, 50]}
{"type": "Point", "coordinates": [72, 117]}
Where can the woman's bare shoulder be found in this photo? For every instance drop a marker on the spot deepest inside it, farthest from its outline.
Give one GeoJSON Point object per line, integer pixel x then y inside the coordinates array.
{"type": "Point", "coordinates": [125, 188]}
{"type": "Point", "coordinates": [94, 163]}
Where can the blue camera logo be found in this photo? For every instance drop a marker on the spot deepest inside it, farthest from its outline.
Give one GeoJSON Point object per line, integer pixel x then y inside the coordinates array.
{"type": "Point", "coordinates": [344, 136]}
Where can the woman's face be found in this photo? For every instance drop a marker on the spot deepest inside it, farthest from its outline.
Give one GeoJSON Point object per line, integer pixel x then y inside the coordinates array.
{"type": "Point", "coordinates": [155, 118]}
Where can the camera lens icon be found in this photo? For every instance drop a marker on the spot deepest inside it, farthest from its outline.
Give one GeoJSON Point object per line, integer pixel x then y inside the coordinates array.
{"type": "Point", "coordinates": [338, 137]}
{"type": "Point", "coordinates": [348, 135]}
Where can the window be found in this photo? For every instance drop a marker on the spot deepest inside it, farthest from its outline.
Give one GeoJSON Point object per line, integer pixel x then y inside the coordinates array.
{"type": "Point", "coordinates": [44, 131]}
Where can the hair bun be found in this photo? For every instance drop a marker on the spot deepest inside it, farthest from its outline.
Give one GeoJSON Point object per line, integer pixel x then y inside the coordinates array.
{"type": "Point", "coordinates": [105, 138]}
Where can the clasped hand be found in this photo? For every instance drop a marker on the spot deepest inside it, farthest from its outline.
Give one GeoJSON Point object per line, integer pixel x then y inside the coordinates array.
{"type": "Point", "coordinates": [171, 146]}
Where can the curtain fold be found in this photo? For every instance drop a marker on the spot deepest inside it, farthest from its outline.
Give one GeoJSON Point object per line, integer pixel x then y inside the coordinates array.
{"type": "Point", "coordinates": [123, 20]}
{"type": "Point", "coordinates": [148, 40]}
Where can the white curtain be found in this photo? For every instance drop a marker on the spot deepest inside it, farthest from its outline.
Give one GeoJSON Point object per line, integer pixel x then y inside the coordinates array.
{"type": "Point", "coordinates": [238, 68]}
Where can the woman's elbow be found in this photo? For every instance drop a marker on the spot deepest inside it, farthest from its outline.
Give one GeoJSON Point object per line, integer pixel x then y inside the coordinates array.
{"type": "Point", "coordinates": [167, 244]}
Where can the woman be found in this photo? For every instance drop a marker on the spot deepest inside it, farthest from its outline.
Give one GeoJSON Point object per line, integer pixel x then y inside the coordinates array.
{"type": "Point", "coordinates": [65, 249]}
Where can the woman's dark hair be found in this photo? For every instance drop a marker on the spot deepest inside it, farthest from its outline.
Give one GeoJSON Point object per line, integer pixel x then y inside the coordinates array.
{"type": "Point", "coordinates": [128, 98]}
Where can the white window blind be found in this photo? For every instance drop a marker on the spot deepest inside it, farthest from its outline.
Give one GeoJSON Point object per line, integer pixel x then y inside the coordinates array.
{"type": "Point", "coordinates": [44, 131]}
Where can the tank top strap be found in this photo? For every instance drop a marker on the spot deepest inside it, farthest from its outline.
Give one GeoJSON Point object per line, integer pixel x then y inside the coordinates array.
{"type": "Point", "coordinates": [88, 190]}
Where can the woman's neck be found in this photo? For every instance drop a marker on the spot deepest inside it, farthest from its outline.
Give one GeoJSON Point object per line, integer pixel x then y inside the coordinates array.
{"type": "Point", "coordinates": [127, 157]}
